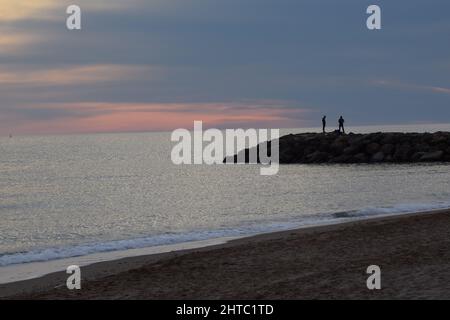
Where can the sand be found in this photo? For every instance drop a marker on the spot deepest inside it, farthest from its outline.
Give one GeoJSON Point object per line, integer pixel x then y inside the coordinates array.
{"type": "Point", "coordinates": [328, 262]}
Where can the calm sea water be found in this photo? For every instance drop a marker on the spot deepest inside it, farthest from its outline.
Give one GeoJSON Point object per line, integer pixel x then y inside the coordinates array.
{"type": "Point", "coordinates": [63, 196]}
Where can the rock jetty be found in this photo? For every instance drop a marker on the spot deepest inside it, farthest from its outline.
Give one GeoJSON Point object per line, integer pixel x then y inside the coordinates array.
{"type": "Point", "coordinates": [381, 147]}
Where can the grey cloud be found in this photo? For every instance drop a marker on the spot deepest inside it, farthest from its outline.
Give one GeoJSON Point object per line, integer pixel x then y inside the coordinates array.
{"type": "Point", "coordinates": [314, 53]}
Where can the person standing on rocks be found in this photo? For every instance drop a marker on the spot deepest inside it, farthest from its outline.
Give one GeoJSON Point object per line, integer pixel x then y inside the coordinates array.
{"type": "Point", "coordinates": [341, 124]}
{"type": "Point", "coordinates": [324, 123]}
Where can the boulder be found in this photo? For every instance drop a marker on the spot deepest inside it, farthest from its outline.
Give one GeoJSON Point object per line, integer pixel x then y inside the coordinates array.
{"type": "Point", "coordinates": [286, 157]}
{"type": "Point", "coordinates": [388, 138]}
{"type": "Point", "coordinates": [417, 156]}
{"type": "Point", "coordinates": [432, 156]}
{"type": "Point", "coordinates": [353, 149]}
{"type": "Point", "coordinates": [438, 139]}
{"type": "Point", "coordinates": [403, 152]}
{"type": "Point", "coordinates": [341, 159]}
{"type": "Point", "coordinates": [360, 158]}
{"type": "Point", "coordinates": [356, 139]}
{"type": "Point", "coordinates": [422, 147]}
{"type": "Point", "coordinates": [317, 157]}
{"type": "Point", "coordinates": [372, 148]}
{"type": "Point", "coordinates": [342, 140]}
{"type": "Point", "coordinates": [362, 148]}
{"type": "Point", "coordinates": [338, 147]}
{"type": "Point", "coordinates": [388, 149]}
{"type": "Point", "coordinates": [378, 157]}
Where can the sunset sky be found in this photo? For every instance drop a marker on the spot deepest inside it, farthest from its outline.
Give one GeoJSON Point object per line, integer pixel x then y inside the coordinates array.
{"type": "Point", "coordinates": [152, 65]}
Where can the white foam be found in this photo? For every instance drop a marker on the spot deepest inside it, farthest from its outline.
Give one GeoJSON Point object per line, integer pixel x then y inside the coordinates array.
{"type": "Point", "coordinates": [56, 253]}
{"type": "Point", "coordinates": [392, 210]}
{"type": "Point", "coordinates": [26, 271]}
{"type": "Point", "coordinates": [144, 242]}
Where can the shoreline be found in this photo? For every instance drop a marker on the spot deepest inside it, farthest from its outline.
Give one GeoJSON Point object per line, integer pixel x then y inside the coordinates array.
{"type": "Point", "coordinates": [124, 248]}
{"type": "Point", "coordinates": [25, 271]}
{"type": "Point", "coordinates": [119, 269]}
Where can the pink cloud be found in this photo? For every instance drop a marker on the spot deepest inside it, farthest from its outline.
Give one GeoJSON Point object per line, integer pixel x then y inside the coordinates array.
{"type": "Point", "coordinates": [123, 117]}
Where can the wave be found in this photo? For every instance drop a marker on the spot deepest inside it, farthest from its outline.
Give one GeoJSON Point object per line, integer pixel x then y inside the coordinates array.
{"type": "Point", "coordinates": [392, 210]}
{"type": "Point", "coordinates": [48, 254]}
{"type": "Point", "coordinates": [55, 253]}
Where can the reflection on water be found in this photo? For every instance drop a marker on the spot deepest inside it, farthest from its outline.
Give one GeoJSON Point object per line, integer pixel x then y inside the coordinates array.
{"type": "Point", "coordinates": [60, 191]}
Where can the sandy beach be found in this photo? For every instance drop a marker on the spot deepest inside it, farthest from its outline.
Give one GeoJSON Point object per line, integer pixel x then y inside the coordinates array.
{"type": "Point", "coordinates": [327, 262]}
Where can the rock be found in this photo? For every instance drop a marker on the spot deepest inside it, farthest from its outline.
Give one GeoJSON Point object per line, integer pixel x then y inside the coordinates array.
{"type": "Point", "coordinates": [432, 156]}
{"type": "Point", "coordinates": [362, 148]}
{"type": "Point", "coordinates": [426, 137]}
{"type": "Point", "coordinates": [376, 137]}
{"type": "Point", "coordinates": [356, 139]}
{"type": "Point", "coordinates": [441, 146]}
{"type": "Point", "coordinates": [422, 147]}
{"type": "Point", "coordinates": [337, 147]}
{"type": "Point", "coordinates": [324, 147]}
{"type": "Point", "coordinates": [417, 156]}
{"type": "Point", "coordinates": [343, 140]}
{"type": "Point", "coordinates": [403, 152]}
{"type": "Point", "coordinates": [378, 157]}
{"type": "Point", "coordinates": [388, 149]}
{"type": "Point", "coordinates": [388, 138]}
{"type": "Point", "coordinates": [317, 157]}
{"type": "Point", "coordinates": [286, 157]}
{"type": "Point", "coordinates": [360, 158]}
{"type": "Point", "coordinates": [372, 148]}
{"type": "Point", "coordinates": [437, 139]}
{"type": "Point", "coordinates": [341, 159]}
{"type": "Point", "coordinates": [352, 150]}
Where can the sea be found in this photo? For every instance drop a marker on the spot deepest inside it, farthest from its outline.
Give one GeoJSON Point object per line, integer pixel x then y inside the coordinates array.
{"type": "Point", "coordinates": [69, 196]}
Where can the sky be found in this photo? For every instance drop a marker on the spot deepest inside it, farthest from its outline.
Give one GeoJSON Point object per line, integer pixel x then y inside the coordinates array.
{"type": "Point", "coordinates": [157, 65]}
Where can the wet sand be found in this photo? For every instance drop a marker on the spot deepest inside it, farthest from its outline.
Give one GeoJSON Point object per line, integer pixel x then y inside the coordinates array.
{"type": "Point", "coordinates": [326, 262]}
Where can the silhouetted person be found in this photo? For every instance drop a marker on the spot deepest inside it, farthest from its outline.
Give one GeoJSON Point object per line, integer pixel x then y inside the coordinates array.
{"type": "Point", "coordinates": [324, 123]}
{"type": "Point", "coordinates": [341, 124]}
